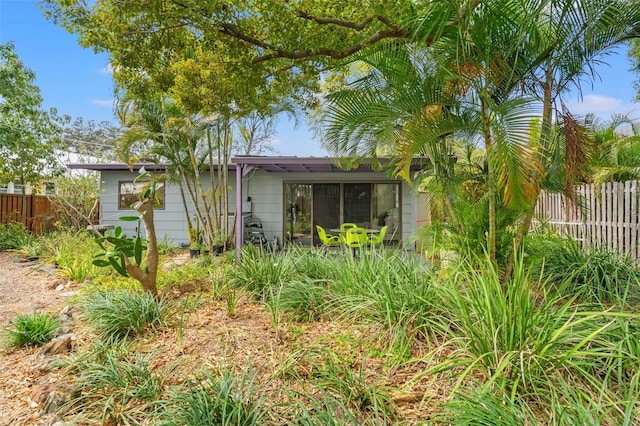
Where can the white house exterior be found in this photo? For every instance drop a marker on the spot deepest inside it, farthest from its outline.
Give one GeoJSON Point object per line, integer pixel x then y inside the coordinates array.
{"type": "Point", "coordinates": [325, 195]}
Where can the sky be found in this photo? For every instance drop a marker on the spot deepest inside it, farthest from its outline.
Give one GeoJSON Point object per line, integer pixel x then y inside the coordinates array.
{"type": "Point", "coordinates": [77, 81]}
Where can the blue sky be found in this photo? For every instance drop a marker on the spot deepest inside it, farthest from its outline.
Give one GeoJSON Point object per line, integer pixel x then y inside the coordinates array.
{"type": "Point", "coordinates": [76, 81]}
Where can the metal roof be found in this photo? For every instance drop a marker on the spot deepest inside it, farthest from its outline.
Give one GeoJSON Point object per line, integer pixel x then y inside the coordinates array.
{"type": "Point", "coordinates": [274, 164]}
{"type": "Point", "coordinates": [269, 164]}
{"type": "Point", "coordinates": [117, 166]}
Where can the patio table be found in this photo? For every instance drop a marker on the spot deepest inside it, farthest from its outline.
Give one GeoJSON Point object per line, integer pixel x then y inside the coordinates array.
{"type": "Point", "coordinates": [367, 230]}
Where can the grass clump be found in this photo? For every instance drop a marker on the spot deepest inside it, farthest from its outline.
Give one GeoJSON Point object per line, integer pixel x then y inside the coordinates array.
{"type": "Point", "coordinates": [118, 314]}
{"type": "Point", "coordinates": [31, 330]}
{"type": "Point", "coordinates": [597, 274]}
{"type": "Point", "coordinates": [215, 400]}
{"type": "Point", "coordinates": [118, 386]}
{"type": "Point", "coordinates": [260, 269]}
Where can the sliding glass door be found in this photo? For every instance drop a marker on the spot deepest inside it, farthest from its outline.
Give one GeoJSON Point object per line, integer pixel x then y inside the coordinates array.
{"type": "Point", "coordinates": [369, 205]}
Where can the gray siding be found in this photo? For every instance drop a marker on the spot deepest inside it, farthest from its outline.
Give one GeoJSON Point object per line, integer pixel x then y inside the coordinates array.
{"type": "Point", "coordinates": [265, 190]}
{"type": "Point", "coordinates": [170, 222]}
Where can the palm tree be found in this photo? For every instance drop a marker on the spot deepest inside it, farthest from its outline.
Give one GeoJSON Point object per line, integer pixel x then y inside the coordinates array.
{"type": "Point", "coordinates": [481, 71]}
{"type": "Point", "coordinates": [615, 156]}
{"type": "Point", "coordinates": [406, 103]}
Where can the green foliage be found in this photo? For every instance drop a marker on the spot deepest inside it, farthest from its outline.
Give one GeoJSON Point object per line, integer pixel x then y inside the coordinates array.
{"type": "Point", "coordinates": [468, 238]}
{"type": "Point", "coordinates": [72, 253]}
{"type": "Point", "coordinates": [33, 249]}
{"type": "Point", "coordinates": [166, 247]}
{"type": "Point", "coordinates": [118, 386]}
{"type": "Point", "coordinates": [304, 300]}
{"type": "Point", "coordinates": [118, 314]}
{"type": "Point", "coordinates": [76, 200]}
{"type": "Point", "coordinates": [521, 339]}
{"type": "Point", "coordinates": [325, 410]}
{"type": "Point", "coordinates": [596, 274]}
{"type": "Point", "coordinates": [479, 407]}
{"type": "Point", "coordinates": [14, 236]}
{"type": "Point", "coordinates": [262, 268]}
{"type": "Point", "coordinates": [210, 399]}
{"type": "Point", "coordinates": [31, 330]}
{"type": "Point", "coordinates": [28, 134]}
{"type": "Point", "coordinates": [118, 246]}
{"type": "Point", "coordinates": [384, 286]}
{"type": "Point", "coordinates": [355, 389]}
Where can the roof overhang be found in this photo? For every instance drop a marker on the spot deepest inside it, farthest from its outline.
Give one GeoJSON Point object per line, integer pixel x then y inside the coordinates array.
{"type": "Point", "coordinates": [270, 164]}
{"type": "Point", "coordinates": [117, 166]}
{"type": "Point", "coordinates": [273, 164]}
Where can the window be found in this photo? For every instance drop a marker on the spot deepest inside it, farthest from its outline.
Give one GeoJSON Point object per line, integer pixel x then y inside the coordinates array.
{"type": "Point", "coordinates": [49, 188]}
{"type": "Point", "coordinates": [129, 192]}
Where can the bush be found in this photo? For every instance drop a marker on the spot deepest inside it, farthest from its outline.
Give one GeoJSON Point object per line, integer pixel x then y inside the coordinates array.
{"type": "Point", "coordinates": [210, 400]}
{"type": "Point", "coordinates": [261, 268]}
{"type": "Point", "coordinates": [119, 314]}
{"type": "Point", "coordinates": [118, 386]}
{"type": "Point", "coordinates": [31, 330]}
{"type": "Point", "coordinates": [598, 274]}
{"type": "Point", "coordinates": [14, 236]}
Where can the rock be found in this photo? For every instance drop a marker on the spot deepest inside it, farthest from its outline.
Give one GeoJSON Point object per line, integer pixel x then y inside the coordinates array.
{"type": "Point", "coordinates": [66, 314]}
{"type": "Point", "coordinates": [58, 345]}
{"type": "Point", "coordinates": [69, 293]}
{"type": "Point", "coordinates": [60, 287]}
{"type": "Point", "coordinates": [50, 397]}
{"type": "Point", "coordinates": [45, 366]}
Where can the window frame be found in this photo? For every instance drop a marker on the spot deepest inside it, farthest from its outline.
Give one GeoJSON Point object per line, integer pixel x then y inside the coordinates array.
{"type": "Point", "coordinates": [137, 186]}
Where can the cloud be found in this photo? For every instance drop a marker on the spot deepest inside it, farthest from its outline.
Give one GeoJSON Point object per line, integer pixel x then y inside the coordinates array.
{"type": "Point", "coordinates": [103, 102]}
{"type": "Point", "coordinates": [603, 106]}
{"type": "Point", "coordinates": [107, 70]}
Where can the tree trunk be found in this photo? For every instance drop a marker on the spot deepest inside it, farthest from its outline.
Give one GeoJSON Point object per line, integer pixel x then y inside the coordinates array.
{"type": "Point", "coordinates": [545, 136]}
{"type": "Point", "coordinates": [148, 276]}
{"type": "Point", "coordinates": [491, 180]}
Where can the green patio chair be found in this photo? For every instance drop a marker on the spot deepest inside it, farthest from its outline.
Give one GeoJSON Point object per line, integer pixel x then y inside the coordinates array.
{"type": "Point", "coordinates": [327, 240]}
{"type": "Point", "coordinates": [356, 237]}
{"type": "Point", "coordinates": [347, 225]}
{"type": "Point", "coordinates": [378, 239]}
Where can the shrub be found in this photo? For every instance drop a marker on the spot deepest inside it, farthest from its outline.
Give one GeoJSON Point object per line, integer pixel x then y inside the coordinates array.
{"type": "Point", "coordinates": [597, 274]}
{"type": "Point", "coordinates": [211, 400]}
{"type": "Point", "coordinates": [261, 268]}
{"type": "Point", "coordinates": [73, 254]}
{"type": "Point", "coordinates": [31, 330]}
{"type": "Point", "coordinates": [519, 339]}
{"type": "Point", "coordinates": [118, 386]}
{"type": "Point", "coordinates": [302, 299]}
{"type": "Point", "coordinates": [14, 236]}
{"type": "Point", "coordinates": [119, 313]}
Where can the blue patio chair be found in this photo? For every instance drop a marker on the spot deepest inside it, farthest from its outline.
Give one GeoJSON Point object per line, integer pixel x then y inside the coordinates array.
{"type": "Point", "coordinates": [378, 239]}
{"type": "Point", "coordinates": [327, 240]}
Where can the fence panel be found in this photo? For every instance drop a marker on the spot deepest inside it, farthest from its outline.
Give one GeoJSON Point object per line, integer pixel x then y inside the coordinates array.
{"type": "Point", "coordinates": [38, 211]}
{"type": "Point", "coordinates": [608, 216]}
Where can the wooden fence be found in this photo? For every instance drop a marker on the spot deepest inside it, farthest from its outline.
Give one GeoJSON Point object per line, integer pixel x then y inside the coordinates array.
{"type": "Point", "coordinates": [608, 216]}
{"type": "Point", "coordinates": [39, 213]}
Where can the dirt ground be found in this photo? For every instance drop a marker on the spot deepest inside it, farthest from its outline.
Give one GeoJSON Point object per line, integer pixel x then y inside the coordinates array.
{"type": "Point", "coordinates": [212, 337]}
{"type": "Point", "coordinates": [25, 287]}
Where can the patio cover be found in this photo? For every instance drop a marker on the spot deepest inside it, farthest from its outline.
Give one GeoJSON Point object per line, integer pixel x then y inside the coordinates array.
{"type": "Point", "coordinates": [274, 164]}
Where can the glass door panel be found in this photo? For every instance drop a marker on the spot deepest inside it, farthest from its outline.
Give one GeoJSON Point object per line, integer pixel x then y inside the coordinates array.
{"type": "Point", "coordinates": [297, 224]}
{"type": "Point", "coordinates": [326, 207]}
{"type": "Point", "coordinates": [357, 204]}
{"type": "Point", "coordinates": [386, 208]}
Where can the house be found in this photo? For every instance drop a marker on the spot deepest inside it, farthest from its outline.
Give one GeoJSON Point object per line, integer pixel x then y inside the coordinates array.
{"type": "Point", "coordinates": [288, 195]}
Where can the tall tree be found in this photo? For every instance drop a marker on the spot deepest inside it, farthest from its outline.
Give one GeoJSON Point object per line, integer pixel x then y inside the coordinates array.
{"type": "Point", "coordinates": [28, 134]}
{"type": "Point", "coordinates": [489, 56]}
{"type": "Point", "coordinates": [96, 140]}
